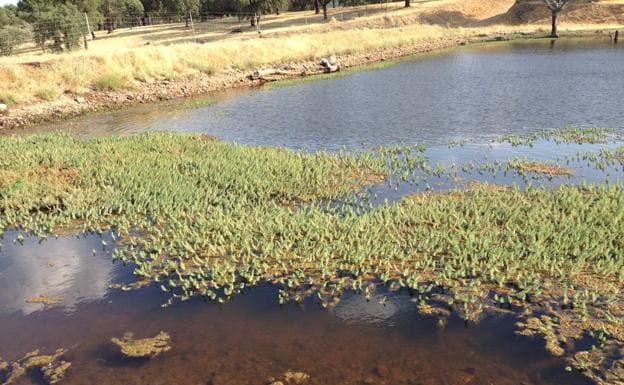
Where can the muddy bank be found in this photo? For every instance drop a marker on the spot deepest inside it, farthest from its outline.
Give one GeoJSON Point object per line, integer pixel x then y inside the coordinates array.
{"type": "Point", "coordinates": [69, 105]}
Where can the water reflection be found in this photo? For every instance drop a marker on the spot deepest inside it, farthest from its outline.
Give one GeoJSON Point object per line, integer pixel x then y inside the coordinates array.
{"type": "Point", "coordinates": [382, 309]}
{"type": "Point", "coordinates": [64, 268]}
{"type": "Point", "coordinates": [249, 341]}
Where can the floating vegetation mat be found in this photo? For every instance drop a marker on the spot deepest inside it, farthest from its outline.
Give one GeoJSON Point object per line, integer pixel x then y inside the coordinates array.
{"type": "Point", "coordinates": [144, 347]}
{"type": "Point", "coordinates": [51, 366]}
{"type": "Point", "coordinates": [569, 135]}
{"type": "Point", "coordinates": [207, 219]}
{"type": "Point", "coordinates": [45, 300]}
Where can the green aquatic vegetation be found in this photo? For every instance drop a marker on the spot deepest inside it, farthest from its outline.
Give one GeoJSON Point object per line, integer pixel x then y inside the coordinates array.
{"type": "Point", "coordinates": [603, 366]}
{"type": "Point", "coordinates": [602, 159]}
{"type": "Point", "coordinates": [143, 348]}
{"type": "Point", "coordinates": [461, 142]}
{"type": "Point", "coordinates": [568, 135]}
{"type": "Point", "coordinates": [201, 218]}
{"type": "Point", "coordinates": [544, 326]}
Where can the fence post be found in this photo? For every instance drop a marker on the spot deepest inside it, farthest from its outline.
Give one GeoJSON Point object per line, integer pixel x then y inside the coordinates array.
{"type": "Point", "coordinates": [84, 37]}
{"type": "Point", "coordinates": [192, 24]}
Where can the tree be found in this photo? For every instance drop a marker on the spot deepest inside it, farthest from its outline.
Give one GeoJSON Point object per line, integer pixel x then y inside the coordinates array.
{"type": "Point", "coordinates": [255, 8]}
{"type": "Point", "coordinates": [115, 10]}
{"type": "Point", "coordinates": [555, 6]}
{"type": "Point", "coordinates": [62, 23]}
{"type": "Point", "coordinates": [324, 4]}
{"type": "Point", "coordinates": [188, 7]}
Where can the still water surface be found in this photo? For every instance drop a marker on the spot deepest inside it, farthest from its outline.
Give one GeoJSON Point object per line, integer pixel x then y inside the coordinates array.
{"type": "Point", "coordinates": [479, 92]}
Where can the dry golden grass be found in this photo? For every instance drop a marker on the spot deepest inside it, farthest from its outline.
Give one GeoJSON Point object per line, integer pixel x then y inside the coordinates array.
{"type": "Point", "coordinates": [122, 60]}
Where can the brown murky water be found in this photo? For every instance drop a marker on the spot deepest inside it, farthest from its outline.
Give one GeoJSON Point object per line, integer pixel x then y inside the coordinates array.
{"type": "Point", "coordinates": [249, 340]}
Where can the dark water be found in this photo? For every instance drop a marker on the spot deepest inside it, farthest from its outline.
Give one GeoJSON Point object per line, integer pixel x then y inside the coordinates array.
{"type": "Point", "coordinates": [479, 92]}
{"type": "Point", "coordinates": [250, 339]}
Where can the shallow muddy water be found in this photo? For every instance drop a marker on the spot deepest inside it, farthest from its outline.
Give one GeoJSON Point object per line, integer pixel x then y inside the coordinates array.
{"type": "Point", "coordinates": [251, 339]}
{"type": "Point", "coordinates": [476, 94]}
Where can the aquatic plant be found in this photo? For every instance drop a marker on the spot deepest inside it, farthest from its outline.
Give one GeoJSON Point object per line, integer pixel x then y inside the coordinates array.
{"type": "Point", "coordinates": [144, 347]}
{"type": "Point", "coordinates": [525, 166]}
{"type": "Point", "coordinates": [45, 300]}
{"type": "Point", "coordinates": [201, 218]}
{"type": "Point", "coordinates": [566, 135]}
{"type": "Point", "coordinates": [290, 378]}
{"type": "Point", "coordinates": [52, 367]}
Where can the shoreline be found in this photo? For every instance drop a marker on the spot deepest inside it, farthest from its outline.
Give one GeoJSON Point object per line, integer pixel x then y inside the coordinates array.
{"type": "Point", "coordinates": [71, 106]}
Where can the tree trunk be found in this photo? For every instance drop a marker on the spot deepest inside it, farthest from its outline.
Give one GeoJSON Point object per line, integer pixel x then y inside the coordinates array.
{"type": "Point", "coordinates": [317, 9]}
{"type": "Point", "coordinates": [333, 3]}
{"type": "Point", "coordinates": [553, 32]}
{"type": "Point", "coordinates": [324, 11]}
{"type": "Point", "coordinates": [408, 3]}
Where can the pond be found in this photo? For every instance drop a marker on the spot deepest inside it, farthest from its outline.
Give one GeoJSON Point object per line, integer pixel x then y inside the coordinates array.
{"type": "Point", "coordinates": [461, 104]}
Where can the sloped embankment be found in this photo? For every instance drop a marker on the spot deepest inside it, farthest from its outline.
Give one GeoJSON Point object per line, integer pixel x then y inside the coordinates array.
{"type": "Point", "coordinates": [582, 12]}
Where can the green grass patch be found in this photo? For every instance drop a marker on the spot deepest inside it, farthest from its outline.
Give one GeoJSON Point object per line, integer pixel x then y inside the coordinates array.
{"type": "Point", "coordinates": [110, 82]}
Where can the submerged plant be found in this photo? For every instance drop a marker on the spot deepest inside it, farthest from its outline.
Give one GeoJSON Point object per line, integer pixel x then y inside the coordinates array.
{"type": "Point", "coordinates": [51, 366]}
{"type": "Point", "coordinates": [144, 347]}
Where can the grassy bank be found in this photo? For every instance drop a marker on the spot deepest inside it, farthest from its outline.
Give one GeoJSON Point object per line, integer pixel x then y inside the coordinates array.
{"type": "Point", "coordinates": [204, 218]}
{"type": "Point", "coordinates": [81, 72]}
{"type": "Point", "coordinates": [126, 64]}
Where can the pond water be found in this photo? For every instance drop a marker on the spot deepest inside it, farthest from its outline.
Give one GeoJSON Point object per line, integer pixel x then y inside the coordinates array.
{"type": "Point", "coordinates": [248, 340]}
{"type": "Point", "coordinates": [476, 94]}
{"type": "Point", "coordinates": [480, 92]}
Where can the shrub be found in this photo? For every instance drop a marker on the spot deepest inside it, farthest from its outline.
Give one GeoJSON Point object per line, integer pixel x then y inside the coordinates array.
{"type": "Point", "coordinates": [11, 37]}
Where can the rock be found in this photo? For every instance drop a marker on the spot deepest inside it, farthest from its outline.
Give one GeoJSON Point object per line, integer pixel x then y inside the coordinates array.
{"type": "Point", "coordinates": [265, 74]}
{"type": "Point", "coordinates": [330, 64]}
{"type": "Point", "coordinates": [4, 110]}
{"type": "Point", "coordinates": [79, 100]}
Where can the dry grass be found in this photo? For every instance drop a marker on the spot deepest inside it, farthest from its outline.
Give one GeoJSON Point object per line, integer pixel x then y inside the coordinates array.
{"type": "Point", "coordinates": [120, 61]}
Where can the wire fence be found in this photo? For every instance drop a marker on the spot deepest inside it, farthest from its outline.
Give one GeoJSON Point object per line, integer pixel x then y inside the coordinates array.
{"type": "Point", "coordinates": [169, 28]}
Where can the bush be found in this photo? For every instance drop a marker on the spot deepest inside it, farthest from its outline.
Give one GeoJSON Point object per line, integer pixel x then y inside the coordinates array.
{"type": "Point", "coordinates": [11, 37]}
{"type": "Point", "coordinates": [62, 24]}
{"type": "Point", "coordinates": [110, 82]}
{"type": "Point", "coordinates": [48, 93]}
